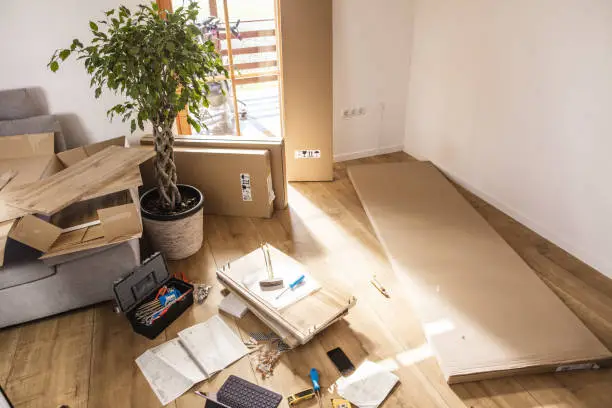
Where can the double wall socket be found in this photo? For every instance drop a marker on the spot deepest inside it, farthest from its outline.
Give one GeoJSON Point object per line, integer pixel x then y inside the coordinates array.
{"type": "Point", "coordinates": [351, 113]}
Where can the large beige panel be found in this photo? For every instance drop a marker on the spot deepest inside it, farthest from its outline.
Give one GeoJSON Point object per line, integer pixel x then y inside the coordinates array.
{"type": "Point", "coordinates": [484, 312]}
{"type": "Point", "coordinates": [306, 52]}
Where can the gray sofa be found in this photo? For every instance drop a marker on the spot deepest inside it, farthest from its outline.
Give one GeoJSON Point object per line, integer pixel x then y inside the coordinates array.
{"type": "Point", "coordinates": [29, 288]}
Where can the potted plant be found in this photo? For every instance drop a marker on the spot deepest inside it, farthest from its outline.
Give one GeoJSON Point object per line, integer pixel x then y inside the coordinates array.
{"type": "Point", "coordinates": [159, 61]}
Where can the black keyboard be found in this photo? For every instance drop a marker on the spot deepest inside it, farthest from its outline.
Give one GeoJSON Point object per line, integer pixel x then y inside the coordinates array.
{"type": "Point", "coordinates": [239, 393]}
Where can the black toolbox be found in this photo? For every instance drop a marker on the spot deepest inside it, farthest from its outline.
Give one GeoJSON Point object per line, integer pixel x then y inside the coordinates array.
{"type": "Point", "coordinates": [142, 285]}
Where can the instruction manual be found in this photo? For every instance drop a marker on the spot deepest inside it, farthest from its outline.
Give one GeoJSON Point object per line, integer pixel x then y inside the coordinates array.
{"type": "Point", "coordinates": [172, 368]}
{"type": "Point", "coordinates": [252, 269]}
{"type": "Point", "coordinates": [368, 386]}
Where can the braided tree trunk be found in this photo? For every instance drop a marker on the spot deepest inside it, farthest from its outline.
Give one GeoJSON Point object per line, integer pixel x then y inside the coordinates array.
{"type": "Point", "coordinates": [165, 169]}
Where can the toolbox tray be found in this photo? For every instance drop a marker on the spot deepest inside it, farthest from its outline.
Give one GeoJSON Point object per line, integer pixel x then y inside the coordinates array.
{"type": "Point", "coordinates": [141, 286]}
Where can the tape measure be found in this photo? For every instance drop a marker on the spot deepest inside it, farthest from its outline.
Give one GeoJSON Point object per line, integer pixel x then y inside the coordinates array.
{"type": "Point", "coordinates": [340, 403]}
{"type": "Point", "coordinates": [300, 397]}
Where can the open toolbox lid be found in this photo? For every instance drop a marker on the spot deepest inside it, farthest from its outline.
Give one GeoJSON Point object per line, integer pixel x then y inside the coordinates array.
{"type": "Point", "coordinates": [143, 281]}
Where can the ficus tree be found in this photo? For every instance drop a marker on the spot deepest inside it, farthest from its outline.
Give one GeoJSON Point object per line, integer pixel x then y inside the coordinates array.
{"type": "Point", "coordinates": [158, 60]}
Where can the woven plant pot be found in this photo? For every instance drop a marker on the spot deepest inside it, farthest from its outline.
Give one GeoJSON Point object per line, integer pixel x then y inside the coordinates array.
{"type": "Point", "coordinates": [179, 235]}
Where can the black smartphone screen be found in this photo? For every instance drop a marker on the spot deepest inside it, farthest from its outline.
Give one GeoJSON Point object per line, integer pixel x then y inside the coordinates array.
{"type": "Point", "coordinates": [341, 361]}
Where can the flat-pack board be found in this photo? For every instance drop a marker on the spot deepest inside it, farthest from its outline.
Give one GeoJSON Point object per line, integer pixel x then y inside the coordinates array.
{"type": "Point", "coordinates": [234, 182]}
{"type": "Point", "coordinates": [275, 145]}
{"type": "Point", "coordinates": [484, 312]}
{"type": "Point", "coordinates": [297, 323]}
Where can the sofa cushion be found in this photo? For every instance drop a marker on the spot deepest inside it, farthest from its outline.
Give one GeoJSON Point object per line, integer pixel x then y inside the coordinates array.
{"type": "Point", "coordinates": [36, 124]}
{"type": "Point", "coordinates": [21, 265]}
{"type": "Point", "coordinates": [21, 103]}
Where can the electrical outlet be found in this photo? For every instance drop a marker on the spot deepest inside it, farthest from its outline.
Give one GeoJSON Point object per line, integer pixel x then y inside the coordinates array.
{"type": "Point", "coordinates": [352, 112]}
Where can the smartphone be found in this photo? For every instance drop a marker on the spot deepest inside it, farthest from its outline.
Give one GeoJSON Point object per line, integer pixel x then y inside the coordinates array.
{"type": "Point", "coordinates": [341, 361]}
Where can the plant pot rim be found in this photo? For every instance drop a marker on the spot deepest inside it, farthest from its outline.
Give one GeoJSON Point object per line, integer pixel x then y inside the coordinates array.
{"type": "Point", "coordinates": [172, 217]}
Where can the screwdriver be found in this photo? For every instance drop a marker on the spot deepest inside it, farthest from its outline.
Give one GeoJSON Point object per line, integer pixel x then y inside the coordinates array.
{"type": "Point", "coordinates": [292, 285]}
{"type": "Point", "coordinates": [314, 377]}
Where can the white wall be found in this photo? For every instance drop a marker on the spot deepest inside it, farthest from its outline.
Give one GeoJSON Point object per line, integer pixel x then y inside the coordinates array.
{"type": "Point", "coordinates": [30, 32]}
{"type": "Point", "coordinates": [514, 99]}
{"type": "Point", "coordinates": [371, 58]}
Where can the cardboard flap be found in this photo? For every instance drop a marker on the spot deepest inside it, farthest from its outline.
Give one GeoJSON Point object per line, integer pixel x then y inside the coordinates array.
{"type": "Point", "coordinates": [34, 232]}
{"type": "Point", "coordinates": [119, 221]}
{"type": "Point", "coordinates": [73, 156]}
{"type": "Point", "coordinates": [141, 282]}
{"type": "Point", "coordinates": [38, 144]}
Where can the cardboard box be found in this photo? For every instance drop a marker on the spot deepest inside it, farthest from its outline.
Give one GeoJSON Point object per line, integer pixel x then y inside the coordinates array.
{"type": "Point", "coordinates": [104, 216]}
{"type": "Point", "coordinates": [306, 79]}
{"type": "Point", "coordinates": [234, 181]}
{"type": "Point", "coordinates": [275, 145]}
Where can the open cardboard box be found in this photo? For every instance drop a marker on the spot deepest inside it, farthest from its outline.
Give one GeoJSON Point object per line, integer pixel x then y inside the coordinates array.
{"type": "Point", "coordinates": [105, 216]}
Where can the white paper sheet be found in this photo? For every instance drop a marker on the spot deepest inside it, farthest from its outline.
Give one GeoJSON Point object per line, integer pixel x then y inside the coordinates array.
{"type": "Point", "coordinates": [368, 386]}
{"type": "Point", "coordinates": [176, 356]}
{"type": "Point", "coordinates": [212, 344]}
{"type": "Point", "coordinates": [167, 383]}
{"type": "Point", "coordinates": [251, 269]}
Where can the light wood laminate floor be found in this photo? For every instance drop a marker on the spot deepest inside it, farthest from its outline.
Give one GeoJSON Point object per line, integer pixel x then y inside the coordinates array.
{"type": "Point", "coordinates": [86, 358]}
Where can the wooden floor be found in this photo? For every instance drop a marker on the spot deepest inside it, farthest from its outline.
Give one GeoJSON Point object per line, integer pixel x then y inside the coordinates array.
{"type": "Point", "coordinates": [86, 358]}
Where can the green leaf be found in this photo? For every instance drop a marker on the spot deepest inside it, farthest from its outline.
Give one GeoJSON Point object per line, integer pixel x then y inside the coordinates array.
{"type": "Point", "coordinates": [93, 26]}
{"type": "Point", "coordinates": [109, 12]}
{"type": "Point", "coordinates": [132, 126]}
{"type": "Point", "coordinates": [54, 66]}
{"type": "Point", "coordinates": [98, 92]}
{"type": "Point", "coordinates": [64, 54]}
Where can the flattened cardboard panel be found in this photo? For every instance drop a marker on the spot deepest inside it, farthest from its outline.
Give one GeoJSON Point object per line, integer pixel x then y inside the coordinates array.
{"type": "Point", "coordinates": [72, 156]}
{"type": "Point", "coordinates": [34, 232]}
{"type": "Point", "coordinates": [275, 145]}
{"type": "Point", "coordinates": [306, 78]}
{"type": "Point", "coordinates": [20, 146]}
{"type": "Point", "coordinates": [234, 181]}
{"type": "Point", "coordinates": [119, 221]}
{"type": "Point", "coordinates": [485, 313]}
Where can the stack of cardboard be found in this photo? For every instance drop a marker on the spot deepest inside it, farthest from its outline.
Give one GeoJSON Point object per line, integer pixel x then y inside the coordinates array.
{"type": "Point", "coordinates": [68, 202]}
{"type": "Point", "coordinates": [297, 323]}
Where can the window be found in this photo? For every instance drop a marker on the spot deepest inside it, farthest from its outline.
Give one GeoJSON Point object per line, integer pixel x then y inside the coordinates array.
{"type": "Point", "coordinates": [248, 102]}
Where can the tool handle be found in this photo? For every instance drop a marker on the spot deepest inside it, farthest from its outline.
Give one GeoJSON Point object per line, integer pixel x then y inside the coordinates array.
{"type": "Point", "coordinates": [297, 282]}
{"type": "Point", "coordinates": [314, 377]}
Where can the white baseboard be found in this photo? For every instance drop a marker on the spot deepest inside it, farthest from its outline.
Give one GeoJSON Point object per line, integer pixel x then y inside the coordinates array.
{"type": "Point", "coordinates": [367, 153]}
{"type": "Point", "coordinates": [602, 265]}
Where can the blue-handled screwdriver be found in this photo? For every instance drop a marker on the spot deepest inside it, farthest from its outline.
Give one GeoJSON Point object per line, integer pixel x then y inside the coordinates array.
{"type": "Point", "coordinates": [292, 285]}
{"type": "Point", "coordinates": [314, 377]}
